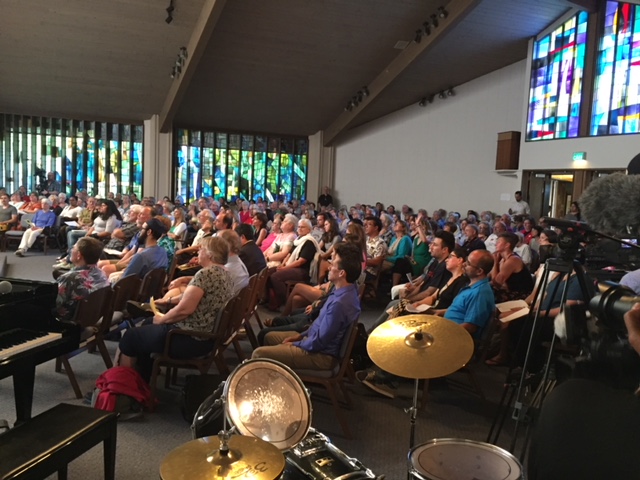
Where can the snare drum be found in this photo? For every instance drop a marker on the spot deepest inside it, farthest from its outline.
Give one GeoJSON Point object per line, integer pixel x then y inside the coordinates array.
{"type": "Point", "coordinates": [267, 400]}
{"type": "Point", "coordinates": [317, 458]}
{"type": "Point", "coordinates": [458, 459]}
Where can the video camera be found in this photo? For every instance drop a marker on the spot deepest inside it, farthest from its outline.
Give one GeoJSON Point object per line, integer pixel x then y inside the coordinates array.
{"type": "Point", "coordinates": [41, 173]}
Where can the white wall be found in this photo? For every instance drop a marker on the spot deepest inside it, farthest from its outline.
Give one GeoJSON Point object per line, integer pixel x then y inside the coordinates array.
{"type": "Point", "coordinates": [441, 156]}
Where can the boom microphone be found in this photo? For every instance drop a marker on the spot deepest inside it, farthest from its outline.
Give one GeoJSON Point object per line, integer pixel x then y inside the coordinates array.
{"type": "Point", "coordinates": [5, 287]}
{"type": "Point", "coordinates": [611, 204]}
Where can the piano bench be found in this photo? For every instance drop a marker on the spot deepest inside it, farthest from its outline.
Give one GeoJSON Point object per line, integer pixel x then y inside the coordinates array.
{"type": "Point", "coordinates": [48, 442]}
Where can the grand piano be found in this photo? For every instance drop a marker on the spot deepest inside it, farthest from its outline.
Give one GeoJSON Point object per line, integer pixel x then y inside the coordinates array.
{"type": "Point", "coordinates": [30, 335]}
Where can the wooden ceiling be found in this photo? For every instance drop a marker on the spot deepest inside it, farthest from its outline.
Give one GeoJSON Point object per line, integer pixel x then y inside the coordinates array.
{"type": "Point", "coordinates": [272, 66]}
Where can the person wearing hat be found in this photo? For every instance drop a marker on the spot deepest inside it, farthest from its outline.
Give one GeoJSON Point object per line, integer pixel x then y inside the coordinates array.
{"type": "Point", "coordinates": [152, 256]}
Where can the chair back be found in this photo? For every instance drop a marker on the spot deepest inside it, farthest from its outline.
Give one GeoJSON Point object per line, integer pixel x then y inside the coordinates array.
{"type": "Point", "coordinates": [171, 270]}
{"type": "Point", "coordinates": [26, 219]}
{"type": "Point", "coordinates": [124, 290]}
{"type": "Point", "coordinates": [259, 287]}
{"type": "Point", "coordinates": [90, 310]}
{"type": "Point", "coordinates": [222, 323]}
{"type": "Point", "coordinates": [346, 348]}
{"type": "Point", "coordinates": [152, 284]}
{"type": "Point", "coordinates": [239, 312]}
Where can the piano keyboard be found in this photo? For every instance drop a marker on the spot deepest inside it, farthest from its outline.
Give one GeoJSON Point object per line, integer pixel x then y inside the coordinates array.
{"type": "Point", "coordinates": [19, 340]}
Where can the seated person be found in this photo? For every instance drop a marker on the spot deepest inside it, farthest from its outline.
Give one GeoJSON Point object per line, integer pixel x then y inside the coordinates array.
{"type": "Point", "coordinates": [8, 214]}
{"type": "Point", "coordinates": [295, 266]}
{"type": "Point", "coordinates": [250, 252]}
{"type": "Point", "coordinates": [188, 256]}
{"type": "Point", "coordinates": [510, 276]}
{"type": "Point", "coordinates": [376, 247]}
{"type": "Point", "coordinates": [420, 257]}
{"type": "Point", "coordinates": [44, 218]}
{"type": "Point", "coordinates": [234, 265]}
{"type": "Point", "coordinates": [111, 266]}
{"type": "Point", "coordinates": [122, 235]}
{"type": "Point", "coordinates": [153, 256]}
{"type": "Point", "coordinates": [33, 205]}
{"type": "Point", "coordinates": [399, 248]}
{"type": "Point", "coordinates": [472, 308]}
{"type": "Point", "coordinates": [319, 347]}
{"type": "Point", "coordinates": [85, 277]}
{"type": "Point", "coordinates": [283, 243]}
{"type": "Point", "coordinates": [196, 309]}
{"type": "Point", "coordinates": [472, 241]}
{"type": "Point", "coordinates": [435, 276]}
{"type": "Point", "coordinates": [70, 213]}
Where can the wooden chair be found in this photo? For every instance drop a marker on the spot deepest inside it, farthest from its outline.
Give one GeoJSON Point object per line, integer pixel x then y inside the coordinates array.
{"type": "Point", "coordinates": [202, 364]}
{"type": "Point", "coordinates": [170, 273]}
{"type": "Point", "coordinates": [372, 285]}
{"type": "Point", "coordinates": [242, 310]}
{"type": "Point", "coordinates": [125, 289]}
{"type": "Point", "coordinates": [333, 380]}
{"type": "Point", "coordinates": [152, 284]}
{"type": "Point", "coordinates": [15, 236]}
{"type": "Point", "coordinates": [261, 285]}
{"type": "Point", "coordinates": [88, 315]}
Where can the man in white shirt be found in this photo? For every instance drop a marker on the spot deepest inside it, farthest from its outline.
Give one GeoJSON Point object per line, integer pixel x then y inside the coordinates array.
{"type": "Point", "coordinates": [520, 207]}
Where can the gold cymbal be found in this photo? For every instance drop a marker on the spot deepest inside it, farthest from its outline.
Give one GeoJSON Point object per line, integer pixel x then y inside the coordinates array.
{"type": "Point", "coordinates": [420, 346]}
{"type": "Point", "coordinates": [248, 457]}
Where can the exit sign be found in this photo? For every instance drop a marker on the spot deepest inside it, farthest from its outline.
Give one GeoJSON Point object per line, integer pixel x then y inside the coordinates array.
{"type": "Point", "coordinates": [579, 156]}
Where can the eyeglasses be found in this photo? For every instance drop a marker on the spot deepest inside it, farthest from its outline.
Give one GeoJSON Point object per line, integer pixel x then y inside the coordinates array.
{"type": "Point", "coordinates": [472, 265]}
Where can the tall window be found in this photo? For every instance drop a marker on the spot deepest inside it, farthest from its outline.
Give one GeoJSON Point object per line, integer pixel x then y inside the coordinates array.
{"type": "Point", "coordinates": [556, 81]}
{"type": "Point", "coordinates": [98, 157]}
{"type": "Point", "coordinates": [233, 165]}
{"type": "Point", "coordinates": [616, 100]}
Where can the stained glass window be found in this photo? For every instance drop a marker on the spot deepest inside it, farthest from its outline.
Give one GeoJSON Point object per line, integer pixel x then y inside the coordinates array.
{"type": "Point", "coordinates": [616, 100]}
{"type": "Point", "coordinates": [241, 166]}
{"type": "Point", "coordinates": [556, 81]}
{"type": "Point", "coordinates": [94, 156]}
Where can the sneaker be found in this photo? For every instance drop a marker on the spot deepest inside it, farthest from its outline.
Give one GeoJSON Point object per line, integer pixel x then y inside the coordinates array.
{"type": "Point", "coordinates": [19, 253]}
{"type": "Point", "coordinates": [368, 379]}
{"type": "Point", "coordinates": [137, 309]}
{"type": "Point", "coordinates": [64, 265]}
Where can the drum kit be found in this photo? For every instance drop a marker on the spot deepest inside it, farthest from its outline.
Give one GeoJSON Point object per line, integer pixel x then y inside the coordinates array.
{"type": "Point", "coordinates": [269, 412]}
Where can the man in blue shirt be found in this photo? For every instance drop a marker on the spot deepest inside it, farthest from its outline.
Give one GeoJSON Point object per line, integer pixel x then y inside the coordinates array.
{"type": "Point", "coordinates": [319, 347]}
{"type": "Point", "coordinates": [153, 256]}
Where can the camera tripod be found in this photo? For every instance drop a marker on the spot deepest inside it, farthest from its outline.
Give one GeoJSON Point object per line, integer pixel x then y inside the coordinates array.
{"type": "Point", "coordinates": [524, 392]}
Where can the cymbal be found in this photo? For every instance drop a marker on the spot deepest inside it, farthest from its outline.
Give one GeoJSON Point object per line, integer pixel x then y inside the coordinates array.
{"type": "Point", "coordinates": [248, 457]}
{"type": "Point", "coordinates": [420, 346]}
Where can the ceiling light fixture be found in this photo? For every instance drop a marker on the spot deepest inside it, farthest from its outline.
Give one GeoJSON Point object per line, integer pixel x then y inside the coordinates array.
{"type": "Point", "coordinates": [365, 91]}
{"type": "Point", "coordinates": [434, 20]}
{"type": "Point", "coordinates": [442, 13]}
{"type": "Point", "coordinates": [427, 28]}
{"type": "Point", "coordinates": [418, 37]}
{"type": "Point", "coordinates": [184, 54]}
{"type": "Point", "coordinates": [450, 92]}
{"type": "Point", "coordinates": [423, 102]}
{"type": "Point", "coordinates": [442, 95]}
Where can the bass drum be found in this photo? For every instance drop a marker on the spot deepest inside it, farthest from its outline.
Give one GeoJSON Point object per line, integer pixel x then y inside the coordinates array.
{"type": "Point", "coordinates": [267, 400]}
{"type": "Point", "coordinates": [317, 458]}
{"type": "Point", "coordinates": [455, 459]}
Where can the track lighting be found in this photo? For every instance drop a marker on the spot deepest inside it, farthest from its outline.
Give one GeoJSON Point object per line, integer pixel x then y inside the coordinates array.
{"type": "Point", "coordinates": [450, 92]}
{"type": "Point", "coordinates": [418, 37]}
{"type": "Point", "coordinates": [442, 95]}
{"type": "Point", "coordinates": [427, 28]}
{"type": "Point", "coordinates": [434, 20]}
{"type": "Point", "coordinates": [442, 13]}
{"type": "Point", "coordinates": [365, 91]}
{"type": "Point", "coordinates": [183, 53]}
{"type": "Point", "coordinates": [181, 59]}
{"type": "Point", "coordinates": [423, 102]}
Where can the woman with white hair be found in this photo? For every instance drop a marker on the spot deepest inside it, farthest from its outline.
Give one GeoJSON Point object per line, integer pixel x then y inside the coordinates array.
{"type": "Point", "coordinates": [42, 219]}
{"type": "Point", "coordinates": [283, 243]}
{"type": "Point", "coordinates": [296, 266]}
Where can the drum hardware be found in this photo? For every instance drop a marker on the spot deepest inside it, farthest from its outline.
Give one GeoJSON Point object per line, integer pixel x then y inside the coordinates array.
{"type": "Point", "coordinates": [454, 459]}
{"type": "Point", "coordinates": [419, 347]}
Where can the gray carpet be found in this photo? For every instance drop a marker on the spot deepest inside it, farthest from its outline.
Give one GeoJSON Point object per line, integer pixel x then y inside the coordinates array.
{"type": "Point", "coordinates": [380, 425]}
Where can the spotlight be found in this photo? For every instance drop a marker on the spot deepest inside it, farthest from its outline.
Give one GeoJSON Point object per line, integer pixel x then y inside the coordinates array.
{"type": "Point", "coordinates": [427, 28]}
{"type": "Point", "coordinates": [423, 102]}
{"type": "Point", "coordinates": [354, 101]}
{"type": "Point", "coordinates": [431, 98]}
{"type": "Point", "coordinates": [183, 53]}
{"type": "Point", "coordinates": [365, 91]}
{"type": "Point", "coordinates": [442, 95]}
{"type": "Point", "coordinates": [450, 92]}
{"type": "Point", "coordinates": [434, 20]}
{"type": "Point", "coordinates": [178, 69]}
{"type": "Point", "coordinates": [349, 107]}
{"type": "Point", "coordinates": [418, 37]}
{"type": "Point", "coordinates": [170, 10]}
{"type": "Point", "coordinates": [442, 13]}
{"type": "Point", "coordinates": [173, 72]}
{"type": "Point", "coordinates": [169, 19]}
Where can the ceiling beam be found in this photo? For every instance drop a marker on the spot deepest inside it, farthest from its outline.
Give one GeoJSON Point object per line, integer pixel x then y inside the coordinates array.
{"type": "Point", "coordinates": [587, 5]}
{"type": "Point", "coordinates": [457, 10]}
{"type": "Point", "coordinates": [202, 31]}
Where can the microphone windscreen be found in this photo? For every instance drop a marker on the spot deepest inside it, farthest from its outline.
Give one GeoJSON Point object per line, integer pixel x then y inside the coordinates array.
{"type": "Point", "coordinates": [612, 203]}
{"type": "Point", "coordinates": [5, 287]}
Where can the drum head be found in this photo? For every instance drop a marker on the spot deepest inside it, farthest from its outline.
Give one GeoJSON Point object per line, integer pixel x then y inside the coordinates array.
{"type": "Point", "coordinates": [267, 400]}
{"type": "Point", "coordinates": [453, 459]}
